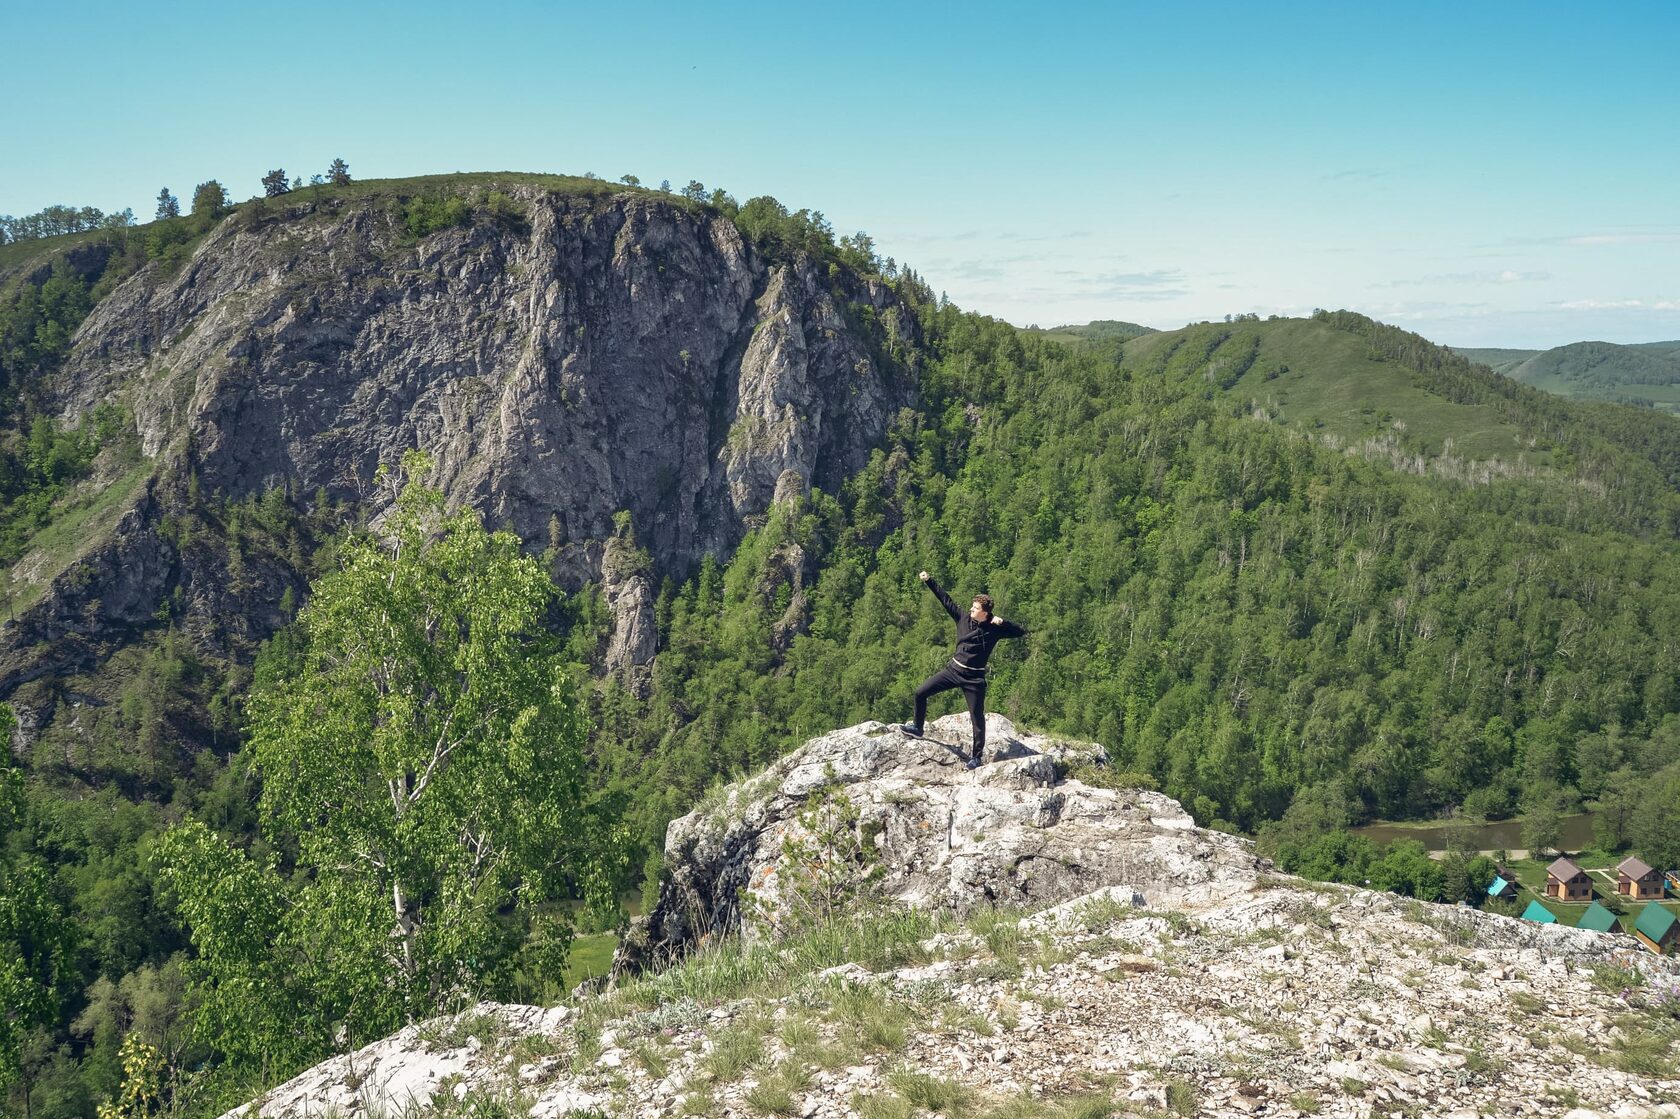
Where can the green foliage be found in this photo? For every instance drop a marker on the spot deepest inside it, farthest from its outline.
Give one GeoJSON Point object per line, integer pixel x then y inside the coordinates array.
{"type": "Point", "coordinates": [210, 199]}
{"type": "Point", "coordinates": [422, 771]}
{"type": "Point", "coordinates": [428, 214]}
{"type": "Point", "coordinates": [827, 865]}
{"type": "Point", "coordinates": [56, 221]}
{"type": "Point", "coordinates": [37, 323]}
{"type": "Point", "coordinates": [36, 940]}
{"type": "Point", "coordinates": [776, 232]}
{"type": "Point", "coordinates": [1099, 330]}
{"type": "Point", "coordinates": [38, 470]}
{"type": "Point", "coordinates": [142, 1092]}
{"type": "Point", "coordinates": [1655, 829]}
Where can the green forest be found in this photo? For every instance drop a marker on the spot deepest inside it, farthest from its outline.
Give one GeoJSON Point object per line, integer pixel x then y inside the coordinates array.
{"type": "Point", "coordinates": [1237, 571]}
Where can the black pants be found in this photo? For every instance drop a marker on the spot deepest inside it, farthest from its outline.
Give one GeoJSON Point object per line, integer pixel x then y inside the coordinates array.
{"type": "Point", "coordinates": [973, 685]}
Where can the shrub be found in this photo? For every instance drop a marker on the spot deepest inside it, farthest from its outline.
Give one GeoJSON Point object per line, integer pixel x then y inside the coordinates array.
{"type": "Point", "coordinates": [427, 215]}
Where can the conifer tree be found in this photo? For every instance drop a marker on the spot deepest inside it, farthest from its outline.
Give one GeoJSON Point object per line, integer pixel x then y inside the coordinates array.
{"type": "Point", "coordinates": [168, 206]}
{"type": "Point", "coordinates": [338, 172]}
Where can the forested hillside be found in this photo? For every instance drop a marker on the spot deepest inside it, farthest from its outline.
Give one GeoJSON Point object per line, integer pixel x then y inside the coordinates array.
{"type": "Point", "coordinates": [1255, 611]}
{"type": "Point", "coordinates": [1297, 573]}
{"type": "Point", "coordinates": [1101, 330]}
{"type": "Point", "coordinates": [1644, 374]}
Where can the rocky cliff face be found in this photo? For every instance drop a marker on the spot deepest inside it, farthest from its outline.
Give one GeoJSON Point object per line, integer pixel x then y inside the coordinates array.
{"type": "Point", "coordinates": [568, 358]}
{"type": "Point", "coordinates": [1177, 975]}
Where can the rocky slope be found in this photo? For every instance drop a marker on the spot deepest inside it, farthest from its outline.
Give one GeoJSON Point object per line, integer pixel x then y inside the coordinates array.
{"type": "Point", "coordinates": [1016, 832]}
{"type": "Point", "coordinates": [1193, 981]}
{"type": "Point", "coordinates": [563, 356]}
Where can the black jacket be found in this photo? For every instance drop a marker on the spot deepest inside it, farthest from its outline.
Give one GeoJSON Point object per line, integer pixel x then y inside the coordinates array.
{"type": "Point", "coordinates": [974, 639]}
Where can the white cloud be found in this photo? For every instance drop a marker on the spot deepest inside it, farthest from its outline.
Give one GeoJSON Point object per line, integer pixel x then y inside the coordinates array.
{"type": "Point", "coordinates": [1619, 305]}
{"type": "Point", "coordinates": [1508, 276]}
{"type": "Point", "coordinates": [1633, 237]}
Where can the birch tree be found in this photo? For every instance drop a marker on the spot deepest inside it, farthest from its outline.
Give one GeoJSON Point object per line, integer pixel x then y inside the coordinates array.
{"type": "Point", "coordinates": [422, 755]}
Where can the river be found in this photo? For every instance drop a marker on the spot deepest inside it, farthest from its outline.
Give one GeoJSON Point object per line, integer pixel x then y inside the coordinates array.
{"type": "Point", "coordinates": [1576, 833]}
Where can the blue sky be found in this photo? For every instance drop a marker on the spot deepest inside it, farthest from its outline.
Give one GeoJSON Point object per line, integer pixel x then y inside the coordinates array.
{"type": "Point", "coordinates": [1483, 172]}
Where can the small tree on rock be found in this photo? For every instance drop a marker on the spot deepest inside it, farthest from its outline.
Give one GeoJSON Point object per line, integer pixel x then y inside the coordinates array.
{"type": "Point", "coordinates": [338, 172]}
{"type": "Point", "coordinates": [276, 183]}
{"type": "Point", "coordinates": [168, 206]}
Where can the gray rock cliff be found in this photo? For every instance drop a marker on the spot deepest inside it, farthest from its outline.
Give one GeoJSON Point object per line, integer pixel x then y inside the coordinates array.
{"type": "Point", "coordinates": [585, 355]}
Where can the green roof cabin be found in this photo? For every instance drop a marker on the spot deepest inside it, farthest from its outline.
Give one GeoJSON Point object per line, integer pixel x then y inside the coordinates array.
{"type": "Point", "coordinates": [1503, 888]}
{"type": "Point", "coordinates": [1539, 914]}
{"type": "Point", "coordinates": [1657, 929]}
{"type": "Point", "coordinates": [1598, 919]}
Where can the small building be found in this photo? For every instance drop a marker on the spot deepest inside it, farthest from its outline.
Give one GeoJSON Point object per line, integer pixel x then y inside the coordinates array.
{"type": "Point", "coordinates": [1503, 887]}
{"type": "Point", "coordinates": [1635, 879]}
{"type": "Point", "coordinates": [1657, 928]}
{"type": "Point", "coordinates": [1598, 919]}
{"type": "Point", "coordinates": [1539, 914]}
{"type": "Point", "coordinates": [1567, 882]}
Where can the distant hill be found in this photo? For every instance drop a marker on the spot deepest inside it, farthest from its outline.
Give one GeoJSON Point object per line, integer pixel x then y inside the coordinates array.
{"type": "Point", "coordinates": [1498, 360]}
{"type": "Point", "coordinates": [1098, 330]}
{"type": "Point", "coordinates": [1644, 374]}
{"type": "Point", "coordinates": [1397, 394]}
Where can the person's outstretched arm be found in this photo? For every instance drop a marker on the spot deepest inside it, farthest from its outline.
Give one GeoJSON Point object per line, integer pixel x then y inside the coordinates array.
{"type": "Point", "coordinates": [939, 593]}
{"type": "Point", "coordinates": [1006, 629]}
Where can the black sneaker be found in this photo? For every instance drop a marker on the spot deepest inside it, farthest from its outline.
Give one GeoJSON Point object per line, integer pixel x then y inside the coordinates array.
{"type": "Point", "coordinates": [972, 763]}
{"type": "Point", "coordinates": [911, 729]}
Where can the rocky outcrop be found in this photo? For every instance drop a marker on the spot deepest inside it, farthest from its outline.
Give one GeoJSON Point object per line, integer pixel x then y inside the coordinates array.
{"type": "Point", "coordinates": [565, 358]}
{"type": "Point", "coordinates": [928, 833]}
{"type": "Point", "coordinates": [629, 593]}
{"type": "Point", "coordinates": [1194, 983]}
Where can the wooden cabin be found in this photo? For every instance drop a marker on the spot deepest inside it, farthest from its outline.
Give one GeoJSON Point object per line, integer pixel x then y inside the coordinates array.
{"type": "Point", "coordinates": [1539, 914]}
{"type": "Point", "coordinates": [1657, 928]}
{"type": "Point", "coordinates": [1598, 919]}
{"type": "Point", "coordinates": [1567, 882]}
{"type": "Point", "coordinates": [1503, 887]}
{"type": "Point", "coordinates": [1636, 880]}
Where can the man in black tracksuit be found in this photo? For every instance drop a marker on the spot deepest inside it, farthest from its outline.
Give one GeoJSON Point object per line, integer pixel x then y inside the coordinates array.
{"type": "Point", "coordinates": [977, 631]}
